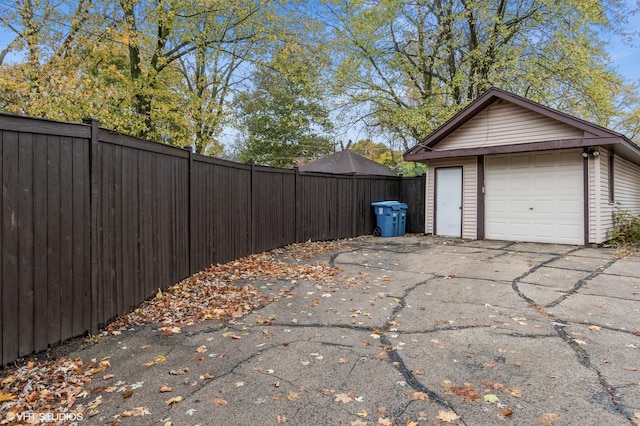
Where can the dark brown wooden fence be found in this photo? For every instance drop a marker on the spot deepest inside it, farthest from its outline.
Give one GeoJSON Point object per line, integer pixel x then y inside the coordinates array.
{"type": "Point", "coordinates": [94, 222]}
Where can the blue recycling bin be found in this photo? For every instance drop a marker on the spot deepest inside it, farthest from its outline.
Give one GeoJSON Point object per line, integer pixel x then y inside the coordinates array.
{"type": "Point", "coordinates": [387, 214]}
{"type": "Point", "coordinates": [402, 218]}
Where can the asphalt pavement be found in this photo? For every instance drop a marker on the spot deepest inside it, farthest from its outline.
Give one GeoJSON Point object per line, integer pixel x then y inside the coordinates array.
{"type": "Point", "coordinates": [414, 330]}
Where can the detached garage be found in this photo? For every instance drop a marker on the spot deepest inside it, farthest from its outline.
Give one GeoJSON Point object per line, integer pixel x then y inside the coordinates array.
{"type": "Point", "coordinates": [506, 168]}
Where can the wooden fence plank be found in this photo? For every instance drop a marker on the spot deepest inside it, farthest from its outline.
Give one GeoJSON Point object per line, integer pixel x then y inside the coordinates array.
{"type": "Point", "coordinates": [80, 229]}
{"type": "Point", "coordinates": [40, 243]}
{"type": "Point", "coordinates": [54, 239]}
{"type": "Point", "coordinates": [66, 237]}
{"type": "Point", "coordinates": [25, 243]}
{"type": "Point", "coordinates": [10, 293]}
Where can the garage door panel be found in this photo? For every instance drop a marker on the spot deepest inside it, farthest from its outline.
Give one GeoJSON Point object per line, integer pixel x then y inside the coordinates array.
{"type": "Point", "coordinates": [520, 230]}
{"type": "Point", "coordinates": [543, 160]}
{"type": "Point", "coordinates": [544, 231]}
{"type": "Point", "coordinates": [535, 197]}
{"type": "Point", "coordinates": [543, 183]}
{"type": "Point", "coordinates": [519, 206]}
{"type": "Point", "coordinates": [497, 163]}
{"type": "Point", "coordinates": [545, 206]}
{"type": "Point", "coordinates": [520, 182]}
{"type": "Point", "coordinates": [519, 162]}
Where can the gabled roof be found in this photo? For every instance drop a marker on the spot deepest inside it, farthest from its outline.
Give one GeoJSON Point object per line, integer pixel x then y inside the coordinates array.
{"type": "Point", "coordinates": [347, 162]}
{"type": "Point", "coordinates": [594, 134]}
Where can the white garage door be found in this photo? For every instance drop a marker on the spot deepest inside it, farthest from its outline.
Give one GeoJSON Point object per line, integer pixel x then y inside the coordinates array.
{"type": "Point", "coordinates": [535, 197]}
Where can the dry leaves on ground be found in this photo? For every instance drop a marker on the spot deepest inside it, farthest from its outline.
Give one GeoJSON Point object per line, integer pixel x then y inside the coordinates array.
{"type": "Point", "coordinates": [47, 387]}
{"type": "Point", "coordinates": [310, 249]}
{"type": "Point", "coordinates": [54, 386]}
{"type": "Point", "coordinates": [211, 293]}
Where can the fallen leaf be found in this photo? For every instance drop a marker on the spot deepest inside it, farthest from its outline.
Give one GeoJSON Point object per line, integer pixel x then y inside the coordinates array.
{"type": "Point", "coordinates": [281, 419]}
{"type": "Point", "coordinates": [343, 397]}
{"type": "Point", "coordinates": [417, 395]}
{"type": "Point", "coordinates": [467, 392]}
{"type": "Point", "coordinates": [594, 328]}
{"type": "Point", "coordinates": [547, 418]}
{"type": "Point", "coordinates": [108, 376]}
{"type": "Point", "coordinates": [447, 416]}
{"type": "Point", "coordinates": [491, 398]}
{"type": "Point", "coordinates": [362, 414]}
{"type": "Point", "coordinates": [506, 412]}
{"type": "Point", "coordinates": [342, 361]}
{"type": "Point", "coordinates": [383, 421]}
{"type": "Point", "coordinates": [95, 403]}
{"type": "Point", "coordinates": [166, 388]}
{"type": "Point", "coordinates": [293, 396]}
{"type": "Point", "coordinates": [201, 349]}
{"type": "Point", "coordinates": [629, 368]}
{"type": "Point", "coordinates": [418, 372]}
{"type": "Point", "coordinates": [4, 397]}
{"type": "Point", "coordinates": [135, 412]}
{"type": "Point", "coordinates": [410, 422]}
{"type": "Point", "coordinates": [127, 393]}
{"type": "Point", "coordinates": [217, 401]}
{"type": "Point", "coordinates": [516, 393]}
{"type": "Point", "coordinates": [173, 400]}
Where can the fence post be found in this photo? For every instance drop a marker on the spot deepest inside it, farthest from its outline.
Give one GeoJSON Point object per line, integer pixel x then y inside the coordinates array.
{"type": "Point", "coordinates": [298, 211]}
{"type": "Point", "coordinates": [252, 208]}
{"type": "Point", "coordinates": [93, 208]}
{"type": "Point", "coordinates": [354, 210]}
{"type": "Point", "coordinates": [190, 210]}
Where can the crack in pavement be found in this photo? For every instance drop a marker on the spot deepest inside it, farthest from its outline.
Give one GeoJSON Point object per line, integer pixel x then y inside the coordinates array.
{"type": "Point", "coordinates": [559, 325]}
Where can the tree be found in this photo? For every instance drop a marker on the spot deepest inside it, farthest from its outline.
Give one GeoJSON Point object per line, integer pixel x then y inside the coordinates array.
{"type": "Point", "coordinates": [383, 154]}
{"type": "Point", "coordinates": [49, 37]}
{"type": "Point", "coordinates": [160, 70]}
{"type": "Point", "coordinates": [412, 64]}
{"type": "Point", "coordinates": [281, 122]}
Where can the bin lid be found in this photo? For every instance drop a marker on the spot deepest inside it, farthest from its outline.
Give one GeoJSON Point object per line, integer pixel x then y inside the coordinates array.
{"type": "Point", "coordinates": [385, 204]}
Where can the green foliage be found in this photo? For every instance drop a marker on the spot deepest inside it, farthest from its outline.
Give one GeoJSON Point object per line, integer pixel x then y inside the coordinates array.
{"type": "Point", "coordinates": [626, 230]}
{"type": "Point", "coordinates": [381, 153]}
{"type": "Point", "coordinates": [408, 66]}
{"type": "Point", "coordinates": [281, 122]}
{"type": "Point", "coordinates": [172, 70]}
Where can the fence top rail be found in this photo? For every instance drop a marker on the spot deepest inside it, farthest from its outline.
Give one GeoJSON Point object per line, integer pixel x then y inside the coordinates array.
{"type": "Point", "coordinates": [115, 138]}
{"type": "Point", "coordinates": [21, 123]}
{"type": "Point", "coordinates": [349, 176]}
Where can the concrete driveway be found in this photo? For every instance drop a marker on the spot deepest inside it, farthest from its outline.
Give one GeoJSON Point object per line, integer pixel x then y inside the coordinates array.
{"type": "Point", "coordinates": [414, 330]}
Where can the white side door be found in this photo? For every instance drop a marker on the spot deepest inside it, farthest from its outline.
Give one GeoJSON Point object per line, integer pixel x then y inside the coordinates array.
{"type": "Point", "coordinates": [448, 186]}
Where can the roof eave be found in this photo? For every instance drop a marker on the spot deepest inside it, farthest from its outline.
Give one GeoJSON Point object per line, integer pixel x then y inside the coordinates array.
{"type": "Point", "coordinates": [522, 147]}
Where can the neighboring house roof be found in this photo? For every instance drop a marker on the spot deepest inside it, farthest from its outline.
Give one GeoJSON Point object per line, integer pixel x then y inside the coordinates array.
{"type": "Point", "coordinates": [347, 162]}
{"type": "Point", "coordinates": [594, 135]}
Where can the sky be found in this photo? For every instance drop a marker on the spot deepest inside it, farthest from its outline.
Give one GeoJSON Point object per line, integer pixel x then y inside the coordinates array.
{"type": "Point", "coordinates": [625, 56]}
